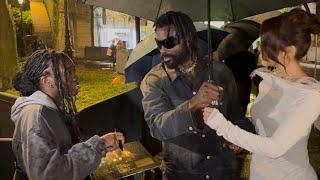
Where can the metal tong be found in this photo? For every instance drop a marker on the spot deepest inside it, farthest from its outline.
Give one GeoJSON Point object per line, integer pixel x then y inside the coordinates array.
{"type": "Point", "coordinates": [118, 142]}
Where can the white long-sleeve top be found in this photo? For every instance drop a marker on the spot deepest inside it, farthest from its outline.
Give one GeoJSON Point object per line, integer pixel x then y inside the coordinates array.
{"type": "Point", "coordinates": [283, 114]}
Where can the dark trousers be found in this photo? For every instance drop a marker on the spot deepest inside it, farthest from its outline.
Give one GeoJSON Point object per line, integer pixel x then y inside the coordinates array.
{"type": "Point", "coordinates": [224, 166]}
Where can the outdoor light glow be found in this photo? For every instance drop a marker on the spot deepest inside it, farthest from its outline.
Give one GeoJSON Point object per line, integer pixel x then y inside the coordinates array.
{"type": "Point", "coordinates": [20, 1]}
{"type": "Point", "coordinates": [217, 24]}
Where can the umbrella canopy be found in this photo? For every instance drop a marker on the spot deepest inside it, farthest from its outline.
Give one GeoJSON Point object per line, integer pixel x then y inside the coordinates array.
{"type": "Point", "coordinates": [228, 10]}
{"type": "Point", "coordinates": [262, 17]}
{"type": "Point", "coordinates": [143, 48]}
{"type": "Point", "coordinates": [149, 44]}
{"type": "Point", "coordinates": [242, 34]}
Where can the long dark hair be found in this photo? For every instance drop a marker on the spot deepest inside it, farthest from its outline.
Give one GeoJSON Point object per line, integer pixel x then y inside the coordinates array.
{"type": "Point", "coordinates": [291, 28]}
{"type": "Point", "coordinates": [27, 81]}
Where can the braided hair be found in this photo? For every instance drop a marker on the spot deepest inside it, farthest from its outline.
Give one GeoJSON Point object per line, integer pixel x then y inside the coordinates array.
{"type": "Point", "coordinates": [184, 27]}
{"type": "Point", "coordinates": [40, 64]}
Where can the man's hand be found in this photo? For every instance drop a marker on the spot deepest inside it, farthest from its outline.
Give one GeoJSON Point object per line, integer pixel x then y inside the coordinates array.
{"type": "Point", "coordinates": [110, 140]}
{"type": "Point", "coordinates": [207, 94]}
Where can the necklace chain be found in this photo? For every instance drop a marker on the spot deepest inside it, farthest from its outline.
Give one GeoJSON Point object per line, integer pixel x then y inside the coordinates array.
{"type": "Point", "coordinates": [187, 70]}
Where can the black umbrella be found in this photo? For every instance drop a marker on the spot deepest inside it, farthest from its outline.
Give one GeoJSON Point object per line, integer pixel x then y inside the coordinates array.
{"type": "Point", "coordinates": [225, 10]}
{"type": "Point", "coordinates": [242, 34]}
{"type": "Point", "coordinates": [198, 10]}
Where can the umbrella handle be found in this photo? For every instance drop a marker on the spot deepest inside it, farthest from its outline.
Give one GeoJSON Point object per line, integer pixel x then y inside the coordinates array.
{"type": "Point", "coordinates": [218, 103]}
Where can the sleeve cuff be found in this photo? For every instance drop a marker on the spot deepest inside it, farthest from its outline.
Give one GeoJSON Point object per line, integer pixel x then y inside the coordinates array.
{"type": "Point", "coordinates": [97, 144]}
{"type": "Point", "coordinates": [217, 122]}
{"type": "Point", "coordinates": [186, 116]}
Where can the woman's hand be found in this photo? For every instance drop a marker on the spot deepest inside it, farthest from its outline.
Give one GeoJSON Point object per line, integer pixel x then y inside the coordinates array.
{"type": "Point", "coordinates": [111, 140]}
{"type": "Point", "coordinates": [206, 113]}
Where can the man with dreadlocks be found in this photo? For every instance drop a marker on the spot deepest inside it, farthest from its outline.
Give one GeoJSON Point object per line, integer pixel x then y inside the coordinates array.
{"type": "Point", "coordinates": [174, 94]}
{"type": "Point", "coordinates": [47, 141]}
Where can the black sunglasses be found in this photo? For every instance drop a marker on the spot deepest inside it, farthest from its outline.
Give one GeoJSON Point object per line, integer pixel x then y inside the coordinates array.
{"type": "Point", "coordinates": [169, 42]}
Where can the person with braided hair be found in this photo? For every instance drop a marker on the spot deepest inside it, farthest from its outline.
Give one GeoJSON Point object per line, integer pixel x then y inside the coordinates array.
{"type": "Point", "coordinates": [47, 142]}
{"type": "Point", "coordinates": [286, 107]}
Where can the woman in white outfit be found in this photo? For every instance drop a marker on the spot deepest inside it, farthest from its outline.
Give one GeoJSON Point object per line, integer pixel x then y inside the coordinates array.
{"type": "Point", "coordinates": [287, 105]}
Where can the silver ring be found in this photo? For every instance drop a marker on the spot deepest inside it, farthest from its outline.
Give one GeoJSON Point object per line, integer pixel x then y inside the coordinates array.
{"type": "Point", "coordinates": [215, 102]}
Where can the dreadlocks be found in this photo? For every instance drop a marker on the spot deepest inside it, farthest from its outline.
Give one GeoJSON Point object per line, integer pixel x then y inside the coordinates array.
{"type": "Point", "coordinates": [67, 100]}
{"type": "Point", "coordinates": [27, 81]}
{"type": "Point", "coordinates": [183, 25]}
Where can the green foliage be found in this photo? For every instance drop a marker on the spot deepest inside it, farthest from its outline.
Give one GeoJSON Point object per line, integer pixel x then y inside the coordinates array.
{"type": "Point", "coordinates": [8, 47]}
{"type": "Point", "coordinates": [284, 10]}
{"type": "Point", "coordinates": [95, 86]}
{"type": "Point", "coordinates": [26, 18]}
{"type": "Point", "coordinates": [12, 92]}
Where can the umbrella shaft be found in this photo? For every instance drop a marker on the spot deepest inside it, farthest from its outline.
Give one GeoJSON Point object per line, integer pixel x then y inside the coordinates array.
{"type": "Point", "coordinates": [209, 39]}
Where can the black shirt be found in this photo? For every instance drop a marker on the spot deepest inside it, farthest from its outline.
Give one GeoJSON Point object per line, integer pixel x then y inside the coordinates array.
{"type": "Point", "coordinates": [166, 94]}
